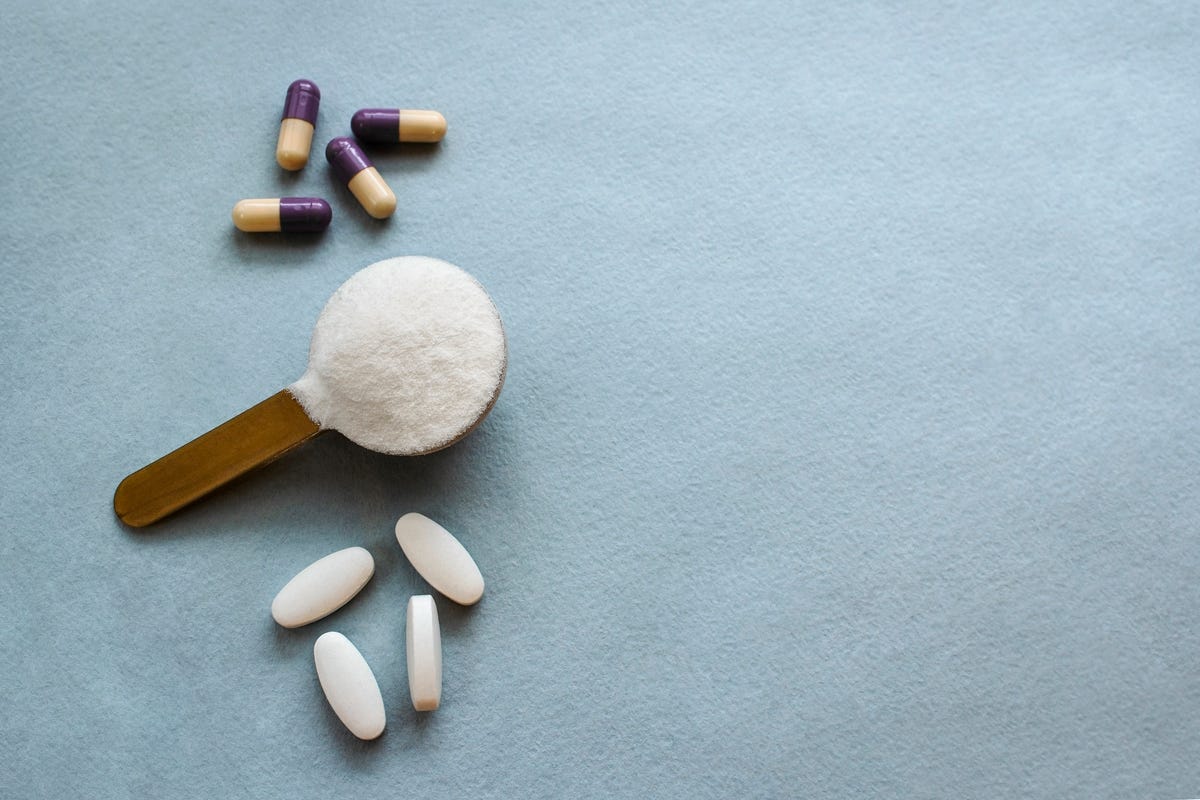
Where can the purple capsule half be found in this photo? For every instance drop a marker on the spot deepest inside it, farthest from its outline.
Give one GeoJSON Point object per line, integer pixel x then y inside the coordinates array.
{"type": "Point", "coordinates": [303, 99]}
{"type": "Point", "coordinates": [346, 157]}
{"type": "Point", "coordinates": [376, 124]}
{"type": "Point", "coordinates": [304, 214]}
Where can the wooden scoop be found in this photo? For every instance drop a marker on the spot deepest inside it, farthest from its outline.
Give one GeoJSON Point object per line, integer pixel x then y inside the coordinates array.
{"type": "Point", "coordinates": [268, 430]}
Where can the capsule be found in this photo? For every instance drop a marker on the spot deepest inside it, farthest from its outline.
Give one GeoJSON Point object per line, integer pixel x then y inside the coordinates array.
{"type": "Point", "coordinates": [353, 168]}
{"type": "Point", "coordinates": [391, 125]}
{"type": "Point", "coordinates": [282, 214]}
{"type": "Point", "coordinates": [296, 129]}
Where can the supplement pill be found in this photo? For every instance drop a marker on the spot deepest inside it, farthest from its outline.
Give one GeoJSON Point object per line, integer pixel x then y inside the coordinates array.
{"type": "Point", "coordinates": [440, 558]}
{"type": "Point", "coordinates": [353, 168]}
{"type": "Point", "coordinates": [391, 125]}
{"type": "Point", "coordinates": [286, 214]}
{"type": "Point", "coordinates": [349, 685]}
{"type": "Point", "coordinates": [423, 641]}
{"type": "Point", "coordinates": [296, 129]}
{"type": "Point", "coordinates": [323, 587]}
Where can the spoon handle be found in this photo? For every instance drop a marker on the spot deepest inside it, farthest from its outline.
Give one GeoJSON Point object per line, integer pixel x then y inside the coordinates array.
{"type": "Point", "coordinates": [259, 434]}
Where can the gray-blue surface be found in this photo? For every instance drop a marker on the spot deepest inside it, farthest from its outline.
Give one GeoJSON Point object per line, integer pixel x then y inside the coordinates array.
{"type": "Point", "coordinates": [849, 446]}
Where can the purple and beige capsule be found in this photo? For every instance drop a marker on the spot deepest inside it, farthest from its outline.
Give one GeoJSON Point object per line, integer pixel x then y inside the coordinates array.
{"type": "Point", "coordinates": [282, 214]}
{"type": "Point", "coordinates": [391, 125]}
{"type": "Point", "coordinates": [353, 168]}
{"type": "Point", "coordinates": [296, 129]}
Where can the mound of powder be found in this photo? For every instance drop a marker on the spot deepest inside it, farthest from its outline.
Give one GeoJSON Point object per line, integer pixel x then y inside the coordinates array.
{"type": "Point", "coordinates": [405, 358]}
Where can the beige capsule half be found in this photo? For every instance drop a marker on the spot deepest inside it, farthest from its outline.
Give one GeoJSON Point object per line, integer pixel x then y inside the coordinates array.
{"type": "Point", "coordinates": [421, 126]}
{"type": "Point", "coordinates": [295, 141]}
{"type": "Point", "coordinates": [257, 215]}
{"type": "Point", "coordinates": [373, 193]}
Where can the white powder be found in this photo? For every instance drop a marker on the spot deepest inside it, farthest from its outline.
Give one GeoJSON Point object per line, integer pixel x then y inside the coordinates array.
{"type": "Point", "coordinates": [406, 357]}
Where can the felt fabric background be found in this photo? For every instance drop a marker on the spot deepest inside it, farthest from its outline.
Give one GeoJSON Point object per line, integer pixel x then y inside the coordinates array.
{"type": "Point", "coordinates": [850, 435]}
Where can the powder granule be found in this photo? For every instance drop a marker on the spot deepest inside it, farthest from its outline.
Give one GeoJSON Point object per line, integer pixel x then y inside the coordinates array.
{"type": "Point", "coordinates": [405, 358]}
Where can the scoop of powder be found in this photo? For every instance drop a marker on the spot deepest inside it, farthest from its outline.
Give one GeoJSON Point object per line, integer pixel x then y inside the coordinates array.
{"type": "Point", "coordinates": [405, 358]}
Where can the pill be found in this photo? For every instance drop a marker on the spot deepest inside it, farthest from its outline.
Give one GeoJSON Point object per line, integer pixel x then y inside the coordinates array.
{"type": "Point", "coordinates": [391, 125]}
{"type": "Point", "coordinates": [353, 168]}
{"type": "Point", "coordinates": [349, 685]}
{"type": "Point", "coordinates": [439, 558]}
{"type": "Point", "coordinates": [423, 641]}
{"type": "Point", "coordinates": [323, 587]}
{"type": "Point", "coordinates": [286, 214]}
{"type": "Point", "coordinates": [296, 129]}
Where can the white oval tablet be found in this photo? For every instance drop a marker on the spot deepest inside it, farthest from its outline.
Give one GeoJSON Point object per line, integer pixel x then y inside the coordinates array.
{"type": "Point", "coordinates": [440, 558]}
{"type": "Point", "coordinates": [349, 685]}
{"type": "Point", "coordinates": [323, 587]}
{"type": "Point", "coordinates": [423, 641]}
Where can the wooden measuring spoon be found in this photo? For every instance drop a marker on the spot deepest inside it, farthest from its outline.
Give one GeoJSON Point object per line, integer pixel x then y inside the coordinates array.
{"type": "Point", "coordinates": [426, 311]}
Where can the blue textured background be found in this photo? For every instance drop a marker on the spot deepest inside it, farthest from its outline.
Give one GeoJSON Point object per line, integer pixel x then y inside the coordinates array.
{"type": "Point", "coordinates": [849, 446]}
